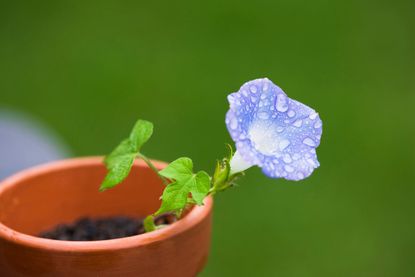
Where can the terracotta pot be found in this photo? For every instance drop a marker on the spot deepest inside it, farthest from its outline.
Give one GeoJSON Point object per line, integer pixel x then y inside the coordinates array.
{"type": "Point", "coordinates": [61, 192]}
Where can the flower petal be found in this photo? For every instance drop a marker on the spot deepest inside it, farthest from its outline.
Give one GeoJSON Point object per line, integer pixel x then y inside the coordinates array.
{"type": "Point", "coordinates": [273, 131]}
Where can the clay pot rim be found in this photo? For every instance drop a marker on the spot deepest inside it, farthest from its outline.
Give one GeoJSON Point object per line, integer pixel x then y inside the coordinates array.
{"type": "Point", "coordinates": [194, 217]}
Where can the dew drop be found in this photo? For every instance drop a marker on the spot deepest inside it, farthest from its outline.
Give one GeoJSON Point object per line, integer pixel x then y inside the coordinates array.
{"type": "Point", "coordinates": [289, 168]}
{"type": "Point", "coordinates": [253, 89]}
{"type": "Point", "coordinates": [296, 156]}
{"type": "Point", "coordinates": [300, 175]}
{"type": "Point", "coordinates": [281, 103]}
{"type": "Point", "coordinates": [287, 158]}
{"type": "Point", "coordinates": [283, 144]}
{"type": "Point", "coordinates": [291, 113]}
{"type": "Point", "coordinates": [234, 123]}
{"type": "Point", "coordinates": [313, 116]}
{"type": "Point", "coordinates": [312, 162]}
{"type": "Point", "coordinates": [308, 141]}
{"type": "Point", "coordinates": [245, 93]}
{"type": "Point", "coordinates": [253, 99]}
{"type": "Point", "coordinates": [317, 124]}
{"type": "Point", "coordinates": [280, 129]}
{"type": "Point", "coordinates": [298, 123]}
{"type": "Point", "coordinates": [263, 115]}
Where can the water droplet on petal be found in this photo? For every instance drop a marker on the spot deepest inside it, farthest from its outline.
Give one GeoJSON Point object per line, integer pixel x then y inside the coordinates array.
{"type": "Point", "coordinates": [283, 144]}
{"type": "Point", "coordinates": [263, 115]}
{"type": "Point", "coordinates": [281, 103]}
{"type": "Point", "coordinates": [308, 141]}
{"type": "Point", "coordinates": [312, 162]}
{"type": "Point", "coordinates": [291, 113]}
{"type": "Point", "coordinates": [245, 93]}
{"type": "Point", "coordinates": [317, 124]}
{"type": "Point", "coordinates": [289, 168]}
{"type": "Point", "coordinates": [300, 175]}
{"type": "Point", "coordinates": [296, 156]}
{"type": "Point", "coordinates": [253, 99]}
{"type": "Point", "coordinates": [234, 123]}
{"type": "Point", "coordinates": [263, 96]}
{"type": "Point", "coordinates": [265, 87]}
{"type": "Point", "coordinates": [298, 123]}
{"type": "Point", "coordinates": [253, 89]}
{"type": "Point", "coordinates": [287, 158]}
{"type": "Point", "coordinates": [280, 129]}
{"type": "Point", "coordinates": [313, 116]}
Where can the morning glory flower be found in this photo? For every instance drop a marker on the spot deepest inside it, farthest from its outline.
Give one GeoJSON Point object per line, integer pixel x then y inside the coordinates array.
{"type": "Point", "coordinates": [272, 131]}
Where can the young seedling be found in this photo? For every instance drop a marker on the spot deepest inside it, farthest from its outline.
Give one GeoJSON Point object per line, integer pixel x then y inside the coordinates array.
{"type": "Point", "coordinates": [269, 129]}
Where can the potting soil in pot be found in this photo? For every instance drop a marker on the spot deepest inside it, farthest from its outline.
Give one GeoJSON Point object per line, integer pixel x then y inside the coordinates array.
{"type": "Point", "coordinates": [87, 229]}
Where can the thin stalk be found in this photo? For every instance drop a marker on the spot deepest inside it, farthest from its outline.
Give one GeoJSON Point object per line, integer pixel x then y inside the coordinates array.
{"type": "Point", "coordinates": [151, 165]}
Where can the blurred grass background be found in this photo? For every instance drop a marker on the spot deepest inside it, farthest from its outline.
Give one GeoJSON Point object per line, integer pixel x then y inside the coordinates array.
{"type": "Point", "coordinates": [90, 69]}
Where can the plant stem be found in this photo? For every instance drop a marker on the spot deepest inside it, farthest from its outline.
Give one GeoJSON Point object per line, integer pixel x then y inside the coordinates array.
{"type": "Point", "coordinates": [151, 165]}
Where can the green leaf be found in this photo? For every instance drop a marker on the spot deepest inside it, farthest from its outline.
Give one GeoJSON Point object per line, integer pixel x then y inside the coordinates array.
{"type": "Point", "coordinates": [121, 159]}
{"type": "Point", "coordinates": [185, 182]}
{"type": "Point", "coordinates": [149, 224]}
{"type": "Point", "coordinates": [178, 169]}
{"type": "Point", "coordinates": [141, 133]}
{"type": "Point", "coordinates": [123, 149]}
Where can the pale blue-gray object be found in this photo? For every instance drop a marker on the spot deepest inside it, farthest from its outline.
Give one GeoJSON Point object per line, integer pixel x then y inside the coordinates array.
{"type": "Point", "coordinates": [272, 131]}
{"type": "Point", "coordinates": [25, 142]}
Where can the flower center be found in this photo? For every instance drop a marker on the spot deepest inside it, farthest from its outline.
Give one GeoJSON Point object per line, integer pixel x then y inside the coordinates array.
{"type": "Point", "coordinates": [266, 139]}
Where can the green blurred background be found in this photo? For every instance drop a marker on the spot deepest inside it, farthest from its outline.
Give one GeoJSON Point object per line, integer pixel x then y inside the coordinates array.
{"type": "Point", "coordinates": [90, 69]}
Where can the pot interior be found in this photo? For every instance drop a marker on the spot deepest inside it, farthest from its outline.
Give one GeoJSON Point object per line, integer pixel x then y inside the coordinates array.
{"type": "Point", "coordinates": [63, 192]}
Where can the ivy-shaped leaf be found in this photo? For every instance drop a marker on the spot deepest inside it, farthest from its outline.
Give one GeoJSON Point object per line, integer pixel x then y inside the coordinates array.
{"type": "Point", "coordinates": [184, 182]}
{"type": "Point", "coordinates": [121, 159]}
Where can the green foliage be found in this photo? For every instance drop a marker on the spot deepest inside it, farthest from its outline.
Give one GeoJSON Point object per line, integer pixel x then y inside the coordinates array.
{"type": "Point", "coordinates": [184, 183]}
{"type": "Point", "coordinates": [221, 174]}
{"type": "Point", "coordinates": [121, 159]}
{"type": "Point", "coordinates": [149, 224]}
{"type": "Point", "coordinates": [183, 186]}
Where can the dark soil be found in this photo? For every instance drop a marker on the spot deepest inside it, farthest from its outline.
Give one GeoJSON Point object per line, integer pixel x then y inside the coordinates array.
{"type": "Point", "coordinates": [87, 229]}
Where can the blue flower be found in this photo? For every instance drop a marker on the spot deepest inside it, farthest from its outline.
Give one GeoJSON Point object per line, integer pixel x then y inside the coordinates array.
{"type": "Point", "coordinates": [272, 131]}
